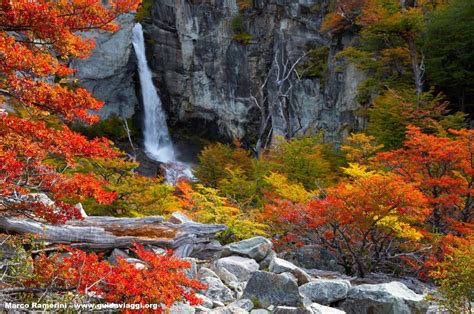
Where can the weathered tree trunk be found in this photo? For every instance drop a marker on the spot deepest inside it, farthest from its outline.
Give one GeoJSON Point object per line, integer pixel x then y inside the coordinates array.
{"type": "Point", "coordinates": [102, 233]}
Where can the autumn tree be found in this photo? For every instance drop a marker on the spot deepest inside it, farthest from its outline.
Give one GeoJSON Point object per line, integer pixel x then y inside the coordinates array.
{"type": "Point", "coordinates": [369, 223]}
{"type": "Point", "coordinates": [443, 169]}
{"type": "Point", "coordinates": [454, 274]}
{"type": "Point", "coordinates": [394, 110]}
{"type": "Point", "coordinates": [37, 38]}
{"type": "Point", "coordinates": [307, 160]}
{"type": "Point", "coordinates": [205, 205]}
{"type": "Point", "coordinates": [136, 195]}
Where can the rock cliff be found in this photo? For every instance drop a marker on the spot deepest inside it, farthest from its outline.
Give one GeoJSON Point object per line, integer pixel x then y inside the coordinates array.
{"type": "Point", "coordinates": [210, 59]}
{"type": "Point", "coordinates": [223, 71]}
{"type": "Point", "coordinates": [109, 71]}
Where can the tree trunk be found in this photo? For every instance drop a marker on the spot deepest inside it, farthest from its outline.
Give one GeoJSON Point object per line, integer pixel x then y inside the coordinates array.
{"type": "Point", "coordinates": [103, 233]}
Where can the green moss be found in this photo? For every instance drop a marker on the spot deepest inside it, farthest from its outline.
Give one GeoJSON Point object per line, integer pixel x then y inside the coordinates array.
{"type": "Point", "coordinates": [316, 64]}
{"type": "Point", "coordinates": [112, 128]}
{"type": "Point", "coordinates": [237, 24]}
{"type": "Point", "coordinates": [144, 11]}
{"type": "Point", "coordinates": [240, 35]}
{"type": "Point", "coordinates": [243, 38]}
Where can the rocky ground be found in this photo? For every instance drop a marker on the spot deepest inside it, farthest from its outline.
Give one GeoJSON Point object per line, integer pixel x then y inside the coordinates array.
{"type": "Point", "coordinates": [249, 277]}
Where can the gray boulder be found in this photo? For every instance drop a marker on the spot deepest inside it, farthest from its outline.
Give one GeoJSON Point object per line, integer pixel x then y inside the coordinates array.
{"type": "Point", "coordinates": [265, 263]}
{"type": "Point", "coordinates": [388, 298]}
{"type": "Point", "coordinates": [182, 309]}
{"type": "Point", "coordinates": [259, 311]}
{"type": "Point", "coordinates": [206, 302]}
{"type": "Point", "coordinates": [325, 291]}
{"type": "Point", "coordinates": [256, 248]}
{"type": "Point", "coordinates": [240, 267]}
{"type": "Point", "coordinates": [291, 310]}
{"type": "Point", "coordinates": [244, 304]}
{"type": "Point", "coordinates": [321, 309]}
{"type": "Point", "coordinates": [206, 272]}
{"type": "Point", "coordinates": [117, 253]}
{"type": "Point", "coordinates": [216, 290]}
{"type": "Point", "coordinates": [278, 266]}
{"type": "Point", "coordinates": [267, 289]}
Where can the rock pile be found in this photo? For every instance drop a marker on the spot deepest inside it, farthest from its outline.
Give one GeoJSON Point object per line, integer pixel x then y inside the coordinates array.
{"type": "Point", "coordinates": [249, 278]}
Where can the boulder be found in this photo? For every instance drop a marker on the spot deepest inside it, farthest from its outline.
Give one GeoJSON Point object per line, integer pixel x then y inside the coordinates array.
{"type": "Point", "coordinates": [191, 272]}
{"type": "Point", "coordinates": [226, 276]}
{"type": "Point", "coordinates": [259, 311]}
{"type": "Point", "coordinates": [206, 272]}
{"type": "Point", "coordinates": [278, 266]}
{"type": "Point", "coordinates": [182, 309]}
{"type": "Point", "coordinates": [265, 263]}
{"type": "Point", "coordinates": [267, 289]}
{"type": "Point", "coordinates": [244, 304]}
{"type": "Point", "coordinates": [256, 248]}
{"type": "Point", "coordinates": [240, 267]}
{"type": "Point", "coordinates": [388, 298]}
{"type": "Point", "coordinates": [291, 310]}
{"type": "Point", "coordinates": [321, 309]}
{"type": "Point", "coordinates": [113, 258]}
{"type": "Point", "coordinates": [216, 290]}
{"type": "Point", "coordinates": [325, 291]}
{"type": "Point", "coordinates": [206, 302]}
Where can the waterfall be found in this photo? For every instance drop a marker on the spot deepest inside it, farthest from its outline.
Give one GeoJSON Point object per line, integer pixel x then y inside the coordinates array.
{"type": "Point", "coordinates": [158, 145]}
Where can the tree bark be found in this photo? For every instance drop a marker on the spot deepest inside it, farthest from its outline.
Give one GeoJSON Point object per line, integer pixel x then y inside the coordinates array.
{"type": "Point", "coordinates": [103, 233]}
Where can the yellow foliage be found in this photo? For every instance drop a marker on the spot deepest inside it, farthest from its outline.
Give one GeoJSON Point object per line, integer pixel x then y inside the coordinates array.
{"type": "Point", "coordinates": [359, 147]}
{"type": "Point", "coordinates": [205, 205]}
{"type": "Point", "coordinates": [402, 229]}
{"type": "Point", "coordinates": [358, 171]}
{"type": "Point", "coordinates": [294, 192]}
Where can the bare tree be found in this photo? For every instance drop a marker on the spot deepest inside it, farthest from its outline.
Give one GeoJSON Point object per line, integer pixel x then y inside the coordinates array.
{"type": "Point", "coordinates": [283, 75]}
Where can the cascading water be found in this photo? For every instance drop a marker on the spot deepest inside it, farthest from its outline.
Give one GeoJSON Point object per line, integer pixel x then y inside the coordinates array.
{"type": "Point", "coordinates": [158, 144]}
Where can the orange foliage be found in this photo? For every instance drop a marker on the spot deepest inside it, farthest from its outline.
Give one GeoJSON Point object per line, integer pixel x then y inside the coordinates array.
{"type": "Point", "coordinates": [365, 223]}
{"type": "Point", "coordinates": [162, 280]}
{"type": "Point", "coordinates": [36, 40]}
{"type": "Point", "coordinates": [443, 169]}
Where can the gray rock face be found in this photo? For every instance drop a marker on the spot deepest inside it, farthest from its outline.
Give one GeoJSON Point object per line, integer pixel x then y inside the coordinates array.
{"type": "Point", "coordinates": [325, 291]}
{"type": "Point", "coordinates": [391, 298]}
{"type": "Point", "coordinates": [207, 78]}
{"type": "Point", "coordinates": [241, 267]}
{"type": "Point", "coordinates": [291, 310]}
{"type": "Point", "coordinates": [267, 289]}
{"type": "Point", "coordinates": [256, 248]}
{"type": "Point", "coordinates": [321, 309]}
{"type": "Point", "coordinates": [244, 304]}
{"type": "Point", "coordinates": [278, 266]}
{"type": "Point", "coordinates": [217, 291]}
{"type": "Point", "coordinates": [108, 72]}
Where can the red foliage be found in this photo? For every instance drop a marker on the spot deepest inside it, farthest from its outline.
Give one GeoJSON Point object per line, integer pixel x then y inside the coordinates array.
{"type": "Point", "coordinates": [36, 40]}
{"type": "Point", "coordinates": [162, 280]}
{"type": "Point", "coordinates": [365, 223]}
{"type": "Point", "coordinates": [443, 169]}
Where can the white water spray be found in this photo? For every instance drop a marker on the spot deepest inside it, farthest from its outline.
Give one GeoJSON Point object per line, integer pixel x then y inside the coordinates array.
{"type": "Point", "coordinates": [158, 145]}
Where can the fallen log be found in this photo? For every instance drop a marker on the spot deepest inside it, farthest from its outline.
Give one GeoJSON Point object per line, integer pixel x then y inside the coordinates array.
{"type": "Point", "coordinates": [103, 233]}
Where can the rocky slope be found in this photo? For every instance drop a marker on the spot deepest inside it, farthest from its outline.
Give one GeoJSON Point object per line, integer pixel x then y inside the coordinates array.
{"type": "Point", "coordinates": [210, 60]}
